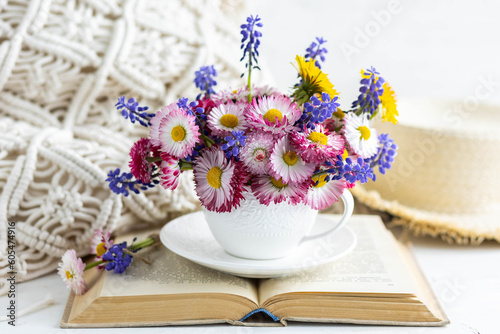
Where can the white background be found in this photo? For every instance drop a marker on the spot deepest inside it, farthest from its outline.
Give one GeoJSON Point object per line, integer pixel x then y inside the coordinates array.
{"type": "Point", "coordinates": [424, 49]}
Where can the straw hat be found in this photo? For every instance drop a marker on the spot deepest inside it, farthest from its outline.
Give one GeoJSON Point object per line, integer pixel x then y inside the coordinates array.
{"type": "Point", "coordinates": [445, 180]}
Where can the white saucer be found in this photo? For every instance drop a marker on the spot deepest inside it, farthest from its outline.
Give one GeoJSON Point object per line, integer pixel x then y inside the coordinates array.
{"type": "Point", "coordinates": [190, 237]}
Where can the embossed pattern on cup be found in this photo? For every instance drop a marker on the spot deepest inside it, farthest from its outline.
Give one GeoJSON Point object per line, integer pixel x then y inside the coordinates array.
{"type": "Point", "coordinates": [261, 232]}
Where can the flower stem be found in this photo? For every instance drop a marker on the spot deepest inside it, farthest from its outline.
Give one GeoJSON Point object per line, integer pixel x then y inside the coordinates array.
{"type": "Point", "coordinates": [320, 173]}
{"type": "Point", "coordinates": [153, 159]}
{"type": "Point", "coordinates": [93, 264]}
{"type": "Point", "coordinates": [208, 142]}
{"type": "Point", "coordinates": [186, 165]}
{"type": "Point", "coordinates": [249, 84]}
{"type": "Point", "coordinates": [141, 244]}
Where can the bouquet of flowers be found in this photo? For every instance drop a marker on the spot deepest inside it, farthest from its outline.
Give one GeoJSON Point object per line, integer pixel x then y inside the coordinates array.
{"type": "Point", "coordinates": [299, 147]}
{"type": "Point", "coordinates": [251, 141]}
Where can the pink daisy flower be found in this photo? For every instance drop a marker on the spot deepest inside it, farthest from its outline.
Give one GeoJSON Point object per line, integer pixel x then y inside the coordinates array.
{"type": "Point", "coordinates": [139, 166]}
{"type": "Point", "coordinates": [241, 94]}
{"type": "Point", "coordinates": [265, 90]}
{"type": "Point", "coordinates": [154, 129]}
{"type": "Point", "coordinates": [219, 182]}
{"type": "Point", "coordinates": [221, 97]}
{"type": "Point", "coordinates": [330, 124]}
{"type": "Point", "coordinates": [324, 194]}
{"type": "Point", "coordinates": [170, 171]}
{"type": "Point", "coordinates": [276, 114]}
{"type": "Point", "coordinates": [317, 146]}
{"type": "Point", "coordinates": [237, 95]}
{"type": "Point", "coordinates": [286, 164]}
{"type": "Point", "coordinates": [178, 134]}
{"type": "Point", "coordinates": [267, 189]}
{"type": "Point", "coordinates": [257, 151]}
{"type": "Point", "coordinates": [99, 244]}
{"type": "Point", "coordinates": [226, 118]}
{"type": "Point", "coordinates": [71, 270]}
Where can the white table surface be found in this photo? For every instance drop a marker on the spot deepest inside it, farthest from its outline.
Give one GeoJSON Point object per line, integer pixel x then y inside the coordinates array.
{"type": "Point", "coordinates": [466, 280]}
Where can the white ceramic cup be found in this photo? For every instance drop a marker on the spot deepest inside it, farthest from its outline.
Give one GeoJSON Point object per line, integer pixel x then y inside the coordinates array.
{"type": "Point", "coordinates": [259, 232]}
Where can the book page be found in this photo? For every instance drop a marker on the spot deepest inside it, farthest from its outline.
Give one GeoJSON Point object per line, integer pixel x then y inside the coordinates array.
{"type": "Point", "coordinates": [172, 274]}
{"type": "Point", "coordinates": [374, 266]}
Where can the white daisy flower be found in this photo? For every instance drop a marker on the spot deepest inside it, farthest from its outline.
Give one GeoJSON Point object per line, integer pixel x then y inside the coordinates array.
{"type": "Point", "coordinates": [241, 94]}
{"type": "Point", "coordinates": [323, 194]}
{"type": "Point", "coordinates": [275, 114]}
{"type": "Point", "coordinates": [219, 183]}
{"type": "Point", "coordinates": [226, 118]}
{"type": "Point", "coordinates": [178, 134]}
{"type": "Point", "coordinates": [361, 138]}
{"type": "Point", "coordinates": [286, 164]}
{"type": "Point", "coordinates": [268, 190]}
{"type": "Point", "coordinates": [237, 95]}
{"type": "Point", "coordinates": [265, 90]}
{"type": "Point", "coordinates": [154, 129]}
{"type": "Point", "coordinates": [71, 271]}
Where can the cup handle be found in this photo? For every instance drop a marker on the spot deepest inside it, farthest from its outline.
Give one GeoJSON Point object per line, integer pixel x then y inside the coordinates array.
{"type": "Point", "coordinates": [348, 208]}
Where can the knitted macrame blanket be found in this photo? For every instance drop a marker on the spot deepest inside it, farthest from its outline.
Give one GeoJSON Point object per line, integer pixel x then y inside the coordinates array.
{"type": "Point", "coordinates": [62, 65]}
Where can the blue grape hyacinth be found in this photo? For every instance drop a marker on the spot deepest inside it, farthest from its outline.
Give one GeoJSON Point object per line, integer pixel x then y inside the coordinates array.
{"type": "Point", "coordinates": [204, 80]}
{"type": "Point", "coordinates": [117, 259]}
{"type": "Point", "coordinates": [233, 143]}
{"type": "Point", "coordinates": [121, 184]}
{"type": "Point", "coordinates": [252, 37]}
{"type": "Point", "coordinates": [130, 109]}
{"type": "Point", "coordinates": [371, 90]}
{"type": "Point", "coordinates": [316, 51]}
{"type": "Point", "coordinates": [317, 111]}
{"type": "Point", "coordinates": [386, 153]}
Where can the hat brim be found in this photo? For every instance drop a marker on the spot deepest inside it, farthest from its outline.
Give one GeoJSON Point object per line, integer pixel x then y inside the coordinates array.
{"type": "Point", "coordinates": [459, 228]}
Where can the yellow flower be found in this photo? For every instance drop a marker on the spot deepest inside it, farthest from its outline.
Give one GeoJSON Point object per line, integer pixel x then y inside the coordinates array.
{"type": "Point", "coordinates": [339, 113]}
{"type": "Point", "coordinates": [314, 81]}
{"type": "Point", "coordinates": [367, 76]}
{"type": "Point", "coordinates": [363, 75]}
{"type": "Point", "coordinates": [389, 109]}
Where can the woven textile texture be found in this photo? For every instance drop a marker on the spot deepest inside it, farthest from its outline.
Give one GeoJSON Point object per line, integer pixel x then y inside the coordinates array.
{"type": "Point", "coordinates": [62, 65]}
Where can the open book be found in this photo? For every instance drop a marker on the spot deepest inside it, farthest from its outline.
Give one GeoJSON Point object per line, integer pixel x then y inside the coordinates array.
{"type": "Point", "coordinates": [378, 283]}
